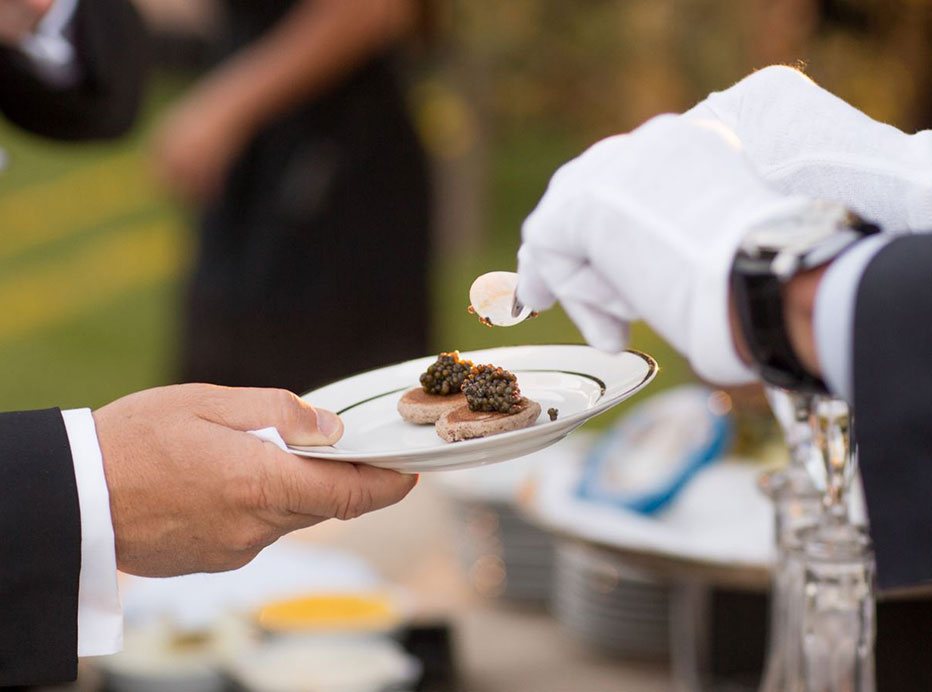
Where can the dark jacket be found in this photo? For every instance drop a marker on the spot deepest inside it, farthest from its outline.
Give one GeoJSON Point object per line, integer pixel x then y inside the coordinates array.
{"type": "Point", "coordinates": [893, 407]}
{"type": "Point", "coordinates": [40, 521]}
{"type": "Point", "coordinates": [40, 550]}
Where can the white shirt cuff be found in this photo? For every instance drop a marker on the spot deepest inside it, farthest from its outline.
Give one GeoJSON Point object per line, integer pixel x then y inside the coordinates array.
{"type": "Point", "coordinates": [833, 319]}
{"type": "Point", "coordinates": [100, 614]}
{"type": "Point", "coordinates": [50, 50]}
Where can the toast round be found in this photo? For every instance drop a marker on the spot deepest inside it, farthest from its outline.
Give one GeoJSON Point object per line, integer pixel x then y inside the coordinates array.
{"type": "Point", "coordinates": [463, 424]}
{"type": "Point", "coordinates": [417, 406]}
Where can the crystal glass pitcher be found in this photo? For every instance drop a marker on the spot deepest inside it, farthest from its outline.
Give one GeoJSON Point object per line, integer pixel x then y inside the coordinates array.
{"type": "Point", "coordinates": [833, 646]}
{"type": "Point", "coordinates": [797, 506]}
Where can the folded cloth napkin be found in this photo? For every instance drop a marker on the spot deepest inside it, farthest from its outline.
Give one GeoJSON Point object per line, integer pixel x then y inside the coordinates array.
{"type": "Point", "coordinates": [271, 435]}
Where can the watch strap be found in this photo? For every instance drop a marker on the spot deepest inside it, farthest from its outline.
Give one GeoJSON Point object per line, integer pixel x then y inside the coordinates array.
{"type": "Point", "coordinates": [759, 303]}
{"type": "Point", "coordinates": [756, 288]}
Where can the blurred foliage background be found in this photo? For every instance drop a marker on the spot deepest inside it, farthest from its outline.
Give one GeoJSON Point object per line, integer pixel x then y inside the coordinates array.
{"type": "Point", "coordinates": [93, 256]}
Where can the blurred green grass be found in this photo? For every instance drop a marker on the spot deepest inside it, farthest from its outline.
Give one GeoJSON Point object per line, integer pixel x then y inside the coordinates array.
{"type": "Point", "coordinates": [93, 259]}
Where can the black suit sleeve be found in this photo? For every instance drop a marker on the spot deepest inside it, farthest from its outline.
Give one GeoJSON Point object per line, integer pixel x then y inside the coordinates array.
{"type": "Point", "coordinates": [40, 550]}
{"type": "Point", "coordinates": [112, 48]}
{"type": "Point", "coordinates": [893, 406]}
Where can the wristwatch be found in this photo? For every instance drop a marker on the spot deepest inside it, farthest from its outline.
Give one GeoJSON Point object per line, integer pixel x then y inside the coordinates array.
{"type": "Point", "coordinates": [769, 256]}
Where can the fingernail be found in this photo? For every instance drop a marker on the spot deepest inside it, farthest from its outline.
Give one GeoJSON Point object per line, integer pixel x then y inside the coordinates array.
{"type": "Point", "coordinates": [328, 423]}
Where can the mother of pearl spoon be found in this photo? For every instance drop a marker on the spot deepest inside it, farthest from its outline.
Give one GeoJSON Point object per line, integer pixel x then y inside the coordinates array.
{"type": "Point", "coordinates": [493, 297]}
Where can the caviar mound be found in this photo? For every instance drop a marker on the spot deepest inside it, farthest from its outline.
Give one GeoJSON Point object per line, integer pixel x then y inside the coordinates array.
{"type": "Point", "coordinates": [445, 375]}
{"type": "Point", "coordinates": [491, 389]}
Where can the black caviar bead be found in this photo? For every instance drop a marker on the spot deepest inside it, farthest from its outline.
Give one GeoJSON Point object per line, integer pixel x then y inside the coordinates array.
{"type": "Point", "coordinates": [445, 375]}
{"type": "Point", "coordinates": [491, 389]}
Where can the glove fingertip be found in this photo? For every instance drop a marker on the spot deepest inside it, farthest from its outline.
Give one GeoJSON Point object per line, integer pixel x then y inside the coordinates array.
{"type": "Point", "coordinates": [534, 295]}
{"type": "Point", "coordinates": [532, 290]}
{"type": "Point", "coordinates": [612, 340]}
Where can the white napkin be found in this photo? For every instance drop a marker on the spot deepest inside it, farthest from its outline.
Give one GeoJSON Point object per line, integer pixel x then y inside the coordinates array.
{"type": "Point", "coordinates": [270, 435]}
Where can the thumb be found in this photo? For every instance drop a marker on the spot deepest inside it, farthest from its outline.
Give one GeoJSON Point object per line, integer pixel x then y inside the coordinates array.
{"type": "Point", "coordinates": [307, 425]}
{"type": "Point", "coordinates": [298, 422]}
{"type": "Point", "coordinates": [533, 289]}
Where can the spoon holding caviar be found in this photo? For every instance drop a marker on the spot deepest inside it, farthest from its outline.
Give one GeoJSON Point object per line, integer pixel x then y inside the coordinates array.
{"type": "Point", "coordinates": [493, 297]}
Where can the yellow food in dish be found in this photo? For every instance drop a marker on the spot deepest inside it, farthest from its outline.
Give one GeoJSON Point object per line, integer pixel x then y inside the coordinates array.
{"type": "Point", "coordinates": [329, 612]}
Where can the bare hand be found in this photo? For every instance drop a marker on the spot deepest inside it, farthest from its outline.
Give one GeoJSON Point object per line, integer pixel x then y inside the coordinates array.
{"type": "Point", "coordinates": [191, 492]}
{"type": "Point", "coordinates": [196, 144]}
{"type": "Point", "coordinates": [18, 18]}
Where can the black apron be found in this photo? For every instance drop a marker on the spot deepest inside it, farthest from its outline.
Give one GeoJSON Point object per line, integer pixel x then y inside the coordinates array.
{"type": "Point", "coordinates": [312, 263]}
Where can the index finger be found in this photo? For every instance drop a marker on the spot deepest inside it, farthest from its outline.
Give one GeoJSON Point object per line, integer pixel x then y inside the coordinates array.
{"type": "Point", "coordinates": [242, 408]}
{"type": "Point", "coordinates": [337, 489]}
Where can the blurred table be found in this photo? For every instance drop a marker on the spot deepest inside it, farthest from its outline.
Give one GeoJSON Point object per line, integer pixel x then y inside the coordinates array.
{"type": "Point", "coordinates": [499, 648]}
{"type": "Point", "coordinates": [678, 570]}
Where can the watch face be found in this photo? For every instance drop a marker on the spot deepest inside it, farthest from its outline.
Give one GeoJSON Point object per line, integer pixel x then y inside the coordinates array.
{"type": "Point", "coordinates": [796, 233]}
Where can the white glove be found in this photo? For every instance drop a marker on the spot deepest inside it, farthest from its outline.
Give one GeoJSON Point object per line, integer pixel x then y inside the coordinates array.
{"type": "Point", "coordinates": [646, 225]}
{"type": "Point", "coordinates": [803, 139]}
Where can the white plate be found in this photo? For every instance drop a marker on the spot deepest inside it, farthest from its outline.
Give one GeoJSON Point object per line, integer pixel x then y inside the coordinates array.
{"type": "Point", "coordinates": [719, 529]}
{"type": "Point", "coordinates": [581, 382]}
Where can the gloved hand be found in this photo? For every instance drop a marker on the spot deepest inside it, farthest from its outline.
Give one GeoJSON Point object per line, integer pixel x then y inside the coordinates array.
{"type": "Point", "coordinates": [646, 225]}
{"type": "Point", "coordinates": [803, 139]}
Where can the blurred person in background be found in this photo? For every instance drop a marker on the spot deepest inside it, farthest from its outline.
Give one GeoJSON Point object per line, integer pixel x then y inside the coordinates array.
{"type": "Point", "coordinates": [312, 189]}
{"type": "Point", "coordinates": [72, 69]}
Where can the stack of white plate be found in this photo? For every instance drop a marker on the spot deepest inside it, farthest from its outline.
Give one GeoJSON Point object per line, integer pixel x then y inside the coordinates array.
{"type": "Point", "coordinates": [608, 606]}
{"type": "Point", "coordinates": [527, 553]}
{"type": "Point", "coordinates": [504, 555]}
